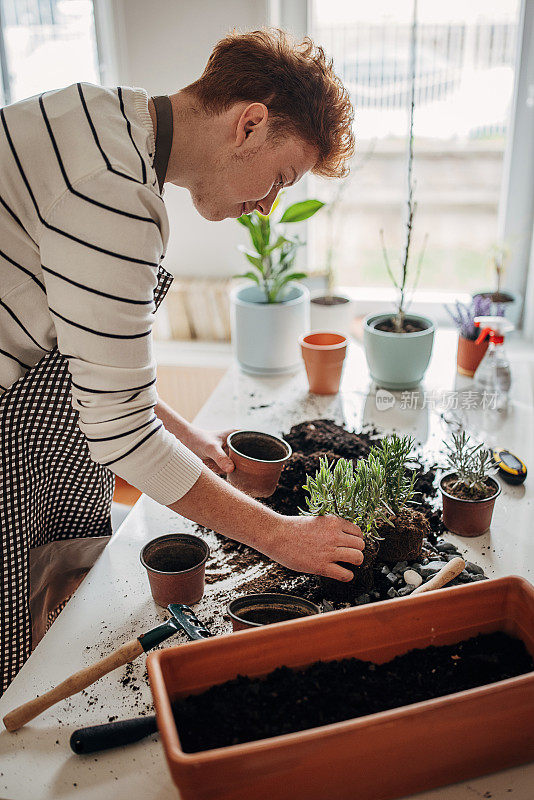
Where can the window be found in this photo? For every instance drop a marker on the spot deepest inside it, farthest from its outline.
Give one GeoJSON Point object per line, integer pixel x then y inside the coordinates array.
{"type": "Point", "coordinates": [463, 94]}
{"type": "Point", "coordinates": [45, 44]}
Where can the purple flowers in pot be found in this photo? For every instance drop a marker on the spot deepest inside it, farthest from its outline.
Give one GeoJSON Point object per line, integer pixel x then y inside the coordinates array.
{"type": "Point", "coordinates": [464, 315]}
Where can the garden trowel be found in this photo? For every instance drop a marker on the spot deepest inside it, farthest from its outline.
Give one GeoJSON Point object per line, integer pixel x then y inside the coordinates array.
{"type": "Point", "coordinates": [182, 619]}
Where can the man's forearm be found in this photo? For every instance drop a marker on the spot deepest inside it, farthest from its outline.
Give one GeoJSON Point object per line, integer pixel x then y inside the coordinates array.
{"type": "Point", "coordinates": [212, 502]}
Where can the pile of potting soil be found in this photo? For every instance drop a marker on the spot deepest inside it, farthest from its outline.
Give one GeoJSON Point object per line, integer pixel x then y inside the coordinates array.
{"type": "Point", "coordinates": [310, 441]}
{"type": "Point", "coordinates": [286, 700]}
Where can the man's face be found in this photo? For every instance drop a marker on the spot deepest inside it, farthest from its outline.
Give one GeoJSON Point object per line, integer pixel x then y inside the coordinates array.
{"type": "Point", "coordinates": [250, 167]}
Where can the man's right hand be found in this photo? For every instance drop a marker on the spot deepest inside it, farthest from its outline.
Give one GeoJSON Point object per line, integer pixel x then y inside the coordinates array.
{"type": "Point", "coordinates": [316, 545]}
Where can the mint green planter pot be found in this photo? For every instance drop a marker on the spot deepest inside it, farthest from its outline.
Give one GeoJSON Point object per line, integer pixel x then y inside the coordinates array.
{"type": "Point", "coordinates": [397, 360]}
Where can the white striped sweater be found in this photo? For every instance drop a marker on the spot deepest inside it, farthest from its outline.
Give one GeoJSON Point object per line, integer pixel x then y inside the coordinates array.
{"type": "Point", "coordinates": [83, 229]}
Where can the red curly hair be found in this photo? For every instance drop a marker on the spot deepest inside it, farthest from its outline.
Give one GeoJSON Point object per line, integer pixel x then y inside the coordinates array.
{"type": "Point", "coordinates": [296, 82]}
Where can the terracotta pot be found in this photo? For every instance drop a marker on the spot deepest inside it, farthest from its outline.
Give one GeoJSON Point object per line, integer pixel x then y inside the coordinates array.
{"type": "Point", "coordinates": [255, 610]}
{"type": "Point", "coordinates": [324, 354]}
{"type": "Point", "coordinates": [481, 730]}
{"type": "Point", "coordinates": [469, 355]}
{"type": "Point", "coordinates": [258, 458]}
{"type": "Point", "coordinates": [467, 517]}
{"type": "Point", "coordinates": [176, 565]}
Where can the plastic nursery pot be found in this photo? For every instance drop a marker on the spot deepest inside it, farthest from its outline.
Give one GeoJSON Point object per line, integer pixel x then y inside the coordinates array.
{"type": "Point", "coordinates": [469, 355]}
{"type": "Point", "coordinates": [323, 353]}
{"type": "Point", "coordinates": [176, 564]}
{"type": "Point", "coordinates": [258, 458]}
{"type": "Point", "coordinates": [397, 360]}
{"type": "Point", "coordinates": [255, 610]}
{"type": "Point", "coordinates": [467, 517]}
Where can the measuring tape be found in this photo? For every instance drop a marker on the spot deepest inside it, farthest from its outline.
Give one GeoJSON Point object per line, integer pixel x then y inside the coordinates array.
{"type": "Point", "coordinates": [510, 467]}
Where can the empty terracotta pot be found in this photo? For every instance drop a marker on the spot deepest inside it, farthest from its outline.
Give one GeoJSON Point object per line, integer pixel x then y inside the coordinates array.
{"type": "Point", "coordinates": [467, 517]}
{"type": "Point", "coordinates": [258, 458]}
{"type": "Point", "coordinates": [324, 354]}
{"type": "Point", "coordinates": [469, 355]}
{"type": "Point", "coordinates": [255, 610]}
{"type": "Point", "coordinates": [176, 565]}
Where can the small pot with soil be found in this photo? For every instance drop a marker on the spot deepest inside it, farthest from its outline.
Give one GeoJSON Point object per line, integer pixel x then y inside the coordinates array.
{"type": "Point", "coordinates": [469, 492]}
{"type": "Point", "coordinates": [255, 610]}
{"type": "Point", "coordinates": [176, 565]}
{"type": "Point", "coordinates": [397, 360]}
{"type": "Point", "coordinates": [402, 536]}
{"type": "Point", "coordinates": [467, 513]}
{"type": "Point", "coordinates": [258, 458]}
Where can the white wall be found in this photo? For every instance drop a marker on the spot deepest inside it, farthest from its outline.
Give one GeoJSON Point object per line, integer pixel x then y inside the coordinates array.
{"type": "Point", "coordinates": [163, 45]}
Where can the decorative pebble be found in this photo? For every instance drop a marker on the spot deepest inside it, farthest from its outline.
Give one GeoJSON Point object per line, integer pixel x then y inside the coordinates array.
{"type": "Point", "coordinates": [392, 578]}
{"type": "Point", "coordinates": [474, 568]}
{"type": "Point", "coordinates": [406, 590]}
{"type": "Point", "coordinates": [392, 593]}
{"type": "Point", "coordinates": [412, 578]}
{"type": "Point", "coordinates": [430, 569]}
{"type": "Point", "coordinates": [362, 598]}
{"type": "Point", "coordinates": [446, 547]}
{"type": "Point", "coordinates": [399, 567]}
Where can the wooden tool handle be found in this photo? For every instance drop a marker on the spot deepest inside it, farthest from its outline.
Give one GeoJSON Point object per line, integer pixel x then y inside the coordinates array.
{"type": "Point", "coordinates": [451, 570]}
{"type": "Point", "coordinates": [80, 680]}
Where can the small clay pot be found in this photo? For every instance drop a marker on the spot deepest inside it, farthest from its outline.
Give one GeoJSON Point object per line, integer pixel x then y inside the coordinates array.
{"type": "Point", "coordinates": [363, 580]}
{"type": "Point", "coordinates": [176, 565]}
{"type": "Point", "coordinates": [324, 354]}
{"type": "Point", "coordinates": [403, 542]}
{"type": "Point", "coordinates": [255, 610]}
{"type": "Point", "coordinates": [258, 458]}
{"type": "Point", "coordinates": [469, 355]}
{"type": "Point", "coordinates": [467, 517]}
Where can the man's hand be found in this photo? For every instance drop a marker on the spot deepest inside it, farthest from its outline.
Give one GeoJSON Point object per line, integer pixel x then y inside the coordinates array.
{"type": "Point", "coordinates": [209, 446]}
{"type": "Point", "coordinates": [316, 545]}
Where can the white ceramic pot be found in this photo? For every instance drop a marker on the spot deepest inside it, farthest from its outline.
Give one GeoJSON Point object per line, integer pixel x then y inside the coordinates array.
{"type": "Point", "coordinates": [336, 317]}
{"type": "Point", "coordinates": [266, 336]}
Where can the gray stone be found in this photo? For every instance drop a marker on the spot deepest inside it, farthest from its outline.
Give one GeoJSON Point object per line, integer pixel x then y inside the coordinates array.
{"type": "Point", "coordinates": [474, 568]}
{"type": "Point", "coordinates": [400, 566]}
{"type": "Point", "coordinates": [479, 577]}
{"type": "Point", "coordinates": [362, 599]}
{"type": "Point", "coordinates": [405, 590]}
{"type": "Point", "coordinates": [384, 570]}
{"type": "Point", "coordinates": [392, 578]}
{"type": "Point", "coordinates": [431, 568]}
{"type": "Point", "coordinates": [392, 593]}
{"type": "Point", "coordinates": [464, 577]}
{"type": "Point", "coordinates": [446, 547]}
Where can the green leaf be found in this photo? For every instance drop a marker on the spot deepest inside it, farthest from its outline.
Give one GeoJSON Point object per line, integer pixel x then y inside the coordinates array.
{"type": "Point", "coordinates": [251, 275]}
{"type": "Point", "coordinates": [255, 261]}
{"type": "Point", "coordinates": [298, 212]}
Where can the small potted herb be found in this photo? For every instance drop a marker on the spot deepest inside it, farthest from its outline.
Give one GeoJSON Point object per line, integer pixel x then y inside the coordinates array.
{"type": "Point", "coordinates": [404, 528]}
{"type": "Point", "coordinates": [271, 313]}
{"type": "Point", "coordinates": [469, 492]}
{"type": "Point", "coordinates": [469, 354]}
{"type": "Point", "coordinates": [398, 345]}
{"type": "Point", "coordinates": [354, 493]}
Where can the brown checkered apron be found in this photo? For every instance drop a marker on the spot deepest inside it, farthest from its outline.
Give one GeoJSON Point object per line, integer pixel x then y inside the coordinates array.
{"type": "Point", "coordinates": [50, 488]}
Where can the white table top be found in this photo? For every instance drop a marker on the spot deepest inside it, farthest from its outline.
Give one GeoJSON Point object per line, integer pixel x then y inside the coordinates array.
{"type": "Point", "coordinates": [113, 604]}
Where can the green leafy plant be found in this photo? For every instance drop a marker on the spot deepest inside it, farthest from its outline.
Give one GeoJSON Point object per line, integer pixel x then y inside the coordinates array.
{"type": "Point", "coordinates": [472, 464]}
{"type": "Point", "coordinates": [354, 493]}
{"type": "Point", "coordinates": [394, 454]}
{"type": "Point", "coordinates": [369, 494]}
{"type": "Point", "coordinates": [274, 252]}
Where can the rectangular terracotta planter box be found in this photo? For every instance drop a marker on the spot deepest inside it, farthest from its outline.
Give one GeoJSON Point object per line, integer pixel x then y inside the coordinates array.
{"type": "Point", "coordinates": [376, 757]}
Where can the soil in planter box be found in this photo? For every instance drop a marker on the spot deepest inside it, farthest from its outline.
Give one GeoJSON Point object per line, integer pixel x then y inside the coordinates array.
{"type": "Point", "coordinates": [463, 493]}
{"type": "Point", "coordinates": [286, 700]}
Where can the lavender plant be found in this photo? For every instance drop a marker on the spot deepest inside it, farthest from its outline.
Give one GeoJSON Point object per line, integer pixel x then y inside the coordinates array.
{"type": "Point", "coordinates": [394, 454]}
{"type": "Point", "coordinates": [472, 464]}
{"type": "Point", "coordinates": [464, 315]}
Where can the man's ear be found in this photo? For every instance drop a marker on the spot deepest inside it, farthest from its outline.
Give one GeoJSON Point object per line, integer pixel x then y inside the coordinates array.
{"type": "Point", "coordinates": [252, 124]}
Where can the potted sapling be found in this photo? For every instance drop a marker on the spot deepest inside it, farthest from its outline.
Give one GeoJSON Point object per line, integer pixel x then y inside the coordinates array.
{"type": "Point", "coordinates": [354, 493]}
{"type": "Point", "coordinates": [398, 345]}
{"type": "Point", "coordinates": [469, 491]}
{"type": "Point", "coordinates": [271, 312]}
{"type": "Point", "coordinates": [469, 353]}
{"type": "Point", "coordinates": [404, 528]}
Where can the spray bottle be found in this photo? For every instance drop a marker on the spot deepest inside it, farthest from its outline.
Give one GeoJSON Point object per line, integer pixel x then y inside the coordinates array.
{"type": "Point", "coordinates": [494, 376]}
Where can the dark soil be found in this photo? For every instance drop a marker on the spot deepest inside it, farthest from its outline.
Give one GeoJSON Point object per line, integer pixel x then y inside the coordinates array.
{"type": "Point", "coordinates": [267, 616]}
{"type": "Point", "coordinates": [463, 492]}
{"type": "Point", "coordinates": [403, 541]}
{"type": "Point", "coordinates": [258, 445]}
{"type": "Point", "coordinates": [333, 300]}
{"type": "Point", "coordinates": [286, 700]}
{"type": "Point", "coordinates": [174, 558]}
{"type": "Point", "coordinates": [409, 326]}
{"type": "Point", "coordinates": [363, 580]}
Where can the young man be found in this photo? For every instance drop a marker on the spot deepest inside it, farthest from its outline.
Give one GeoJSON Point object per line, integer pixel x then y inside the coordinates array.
{"type": "Point", "coordinates": [83, 231]}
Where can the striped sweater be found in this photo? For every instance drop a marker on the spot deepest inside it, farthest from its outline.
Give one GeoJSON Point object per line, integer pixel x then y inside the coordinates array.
{"type": "Point", "coordinates": [83, 229]}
